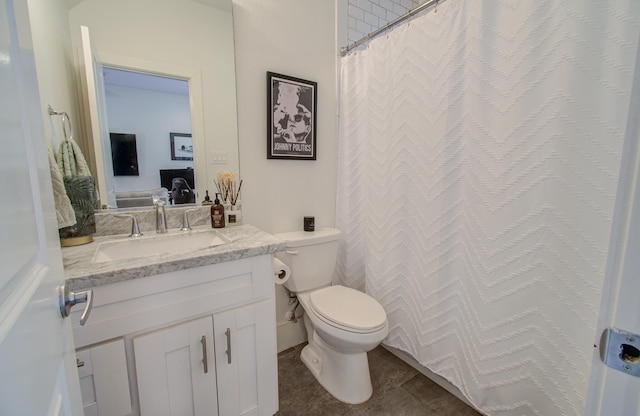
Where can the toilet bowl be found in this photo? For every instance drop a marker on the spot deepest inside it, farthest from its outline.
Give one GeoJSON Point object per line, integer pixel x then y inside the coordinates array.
{"type": "Point", "coordinates": [342, 324]}
{"type": "Point", "coordinates": [337, 351]}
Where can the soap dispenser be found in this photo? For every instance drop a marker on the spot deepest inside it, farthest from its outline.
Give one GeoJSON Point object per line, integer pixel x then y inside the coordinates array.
{"type": "Point", "coordinates": [207, 200]}
{"type": "Point", "coordinates": [217, 213]}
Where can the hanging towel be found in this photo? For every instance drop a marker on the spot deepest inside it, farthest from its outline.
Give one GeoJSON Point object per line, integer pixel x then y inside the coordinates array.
{"type": "Point", "coordinates": [64, 211]}
{"type": "Point", "coordinates": [80, 187]}
{"type": "Point", "coordinates": [71, 160]}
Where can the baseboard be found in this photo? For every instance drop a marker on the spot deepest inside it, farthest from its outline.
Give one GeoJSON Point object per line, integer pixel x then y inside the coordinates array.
{"type": "Point", "coordinates": [439, 380]}
{"type": "Point", "coordinates": [290, 334]}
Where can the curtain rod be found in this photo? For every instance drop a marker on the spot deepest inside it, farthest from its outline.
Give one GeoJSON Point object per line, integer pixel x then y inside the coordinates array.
{"type": "Point", "coordinates": [344, 50]}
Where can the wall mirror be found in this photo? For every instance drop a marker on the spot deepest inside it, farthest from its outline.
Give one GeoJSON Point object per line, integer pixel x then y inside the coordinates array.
{"type": "Point", "coordinates": [156, 89]}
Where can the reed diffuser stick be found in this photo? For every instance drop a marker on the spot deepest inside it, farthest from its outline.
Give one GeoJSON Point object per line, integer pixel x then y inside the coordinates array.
{"type": "Point", "coordinates": [237, 194]}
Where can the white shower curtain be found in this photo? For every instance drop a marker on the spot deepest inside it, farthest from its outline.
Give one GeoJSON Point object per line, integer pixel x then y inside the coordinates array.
{"type": "Point", "coordinates": [479, 157]}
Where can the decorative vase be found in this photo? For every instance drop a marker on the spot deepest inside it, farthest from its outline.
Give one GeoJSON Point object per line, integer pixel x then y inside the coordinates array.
{"type": "Point", "coordinates": [81, 191]}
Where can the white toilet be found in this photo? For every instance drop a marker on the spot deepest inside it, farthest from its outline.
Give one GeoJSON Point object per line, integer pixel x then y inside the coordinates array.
{"type": "Point", "coordinates": [342, 324]}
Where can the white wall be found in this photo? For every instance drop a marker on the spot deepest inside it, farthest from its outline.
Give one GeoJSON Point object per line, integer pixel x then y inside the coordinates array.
{"type": "Point", "coordinates": [151, 116]}
{"type": "Point", "coordinates": [52, 49]}
{"type": "Point", "coordinates": [297, 38]}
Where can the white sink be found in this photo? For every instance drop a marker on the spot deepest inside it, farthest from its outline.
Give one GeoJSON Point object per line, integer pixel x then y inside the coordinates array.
{"type": "Point", "coordinates": [133, 247]}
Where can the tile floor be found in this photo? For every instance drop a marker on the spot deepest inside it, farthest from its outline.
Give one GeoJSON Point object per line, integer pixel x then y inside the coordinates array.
{"type": "Point", "coordinates": [398, 390]}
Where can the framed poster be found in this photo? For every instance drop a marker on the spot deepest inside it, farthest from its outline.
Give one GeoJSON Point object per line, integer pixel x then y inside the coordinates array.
{"type": "Point", "coordinates": [291, 117]}
{"type": "Point", "coordinates": [181, 146]}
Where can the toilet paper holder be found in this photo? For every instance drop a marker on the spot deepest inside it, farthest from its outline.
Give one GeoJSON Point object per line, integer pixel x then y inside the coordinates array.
{"type": "Point", "coordinates": [281, 272]}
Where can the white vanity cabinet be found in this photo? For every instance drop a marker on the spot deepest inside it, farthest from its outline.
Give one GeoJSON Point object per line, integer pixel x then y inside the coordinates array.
{"type": "Point", "coordinates": [166, 324]}
{"type": "Point", "coordinates": [104, 381]}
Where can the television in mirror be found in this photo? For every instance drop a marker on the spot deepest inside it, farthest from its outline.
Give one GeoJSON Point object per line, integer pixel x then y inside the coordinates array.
{"type": "Point", "coordinates": [124, 154]}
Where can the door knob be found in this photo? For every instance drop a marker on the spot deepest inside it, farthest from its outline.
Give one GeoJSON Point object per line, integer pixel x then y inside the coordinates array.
{"type": "Point", "coordinates": [68, 299]}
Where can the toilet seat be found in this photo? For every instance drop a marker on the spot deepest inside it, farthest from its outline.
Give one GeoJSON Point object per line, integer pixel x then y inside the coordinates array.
{"type": "Point", "coordinates": [348, 309]}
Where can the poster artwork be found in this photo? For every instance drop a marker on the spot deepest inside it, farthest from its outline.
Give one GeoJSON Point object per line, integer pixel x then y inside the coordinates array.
{"type": "Point", "coordinates": [292, 107]}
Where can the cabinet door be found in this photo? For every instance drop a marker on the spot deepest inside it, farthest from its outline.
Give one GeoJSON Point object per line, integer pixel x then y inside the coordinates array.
{"type": "Point", "coordinates": [104, 380]}
{"type": "Point", "coordinates": [171, 372]}
{"type": "Point", "coordinates": [247, 362]}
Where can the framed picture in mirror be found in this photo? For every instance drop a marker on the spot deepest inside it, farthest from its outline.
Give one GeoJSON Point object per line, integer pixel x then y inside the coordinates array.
{"type": "Point", "coordinates": [291, 117]}
{"type": "Point", "coordinates": [181, 146]}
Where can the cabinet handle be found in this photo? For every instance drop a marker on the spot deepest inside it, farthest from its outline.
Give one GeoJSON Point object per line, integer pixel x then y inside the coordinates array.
{"type": "Point", "coordinates": [203, 341]}
{"type": "Point", "coordinates": [228, 334]}
{"type": "Point", "coordinates": [79, 363]}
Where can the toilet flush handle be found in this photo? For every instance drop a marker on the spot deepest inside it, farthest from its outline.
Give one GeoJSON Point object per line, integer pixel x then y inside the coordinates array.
{"type": "Point", "coordinates": [294, 252]}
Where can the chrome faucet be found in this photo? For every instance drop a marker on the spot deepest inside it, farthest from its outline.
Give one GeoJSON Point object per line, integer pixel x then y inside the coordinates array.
{"type": "Point", "coordinates": [185, 220]}
{"type": "Point", "coordinates": [161, 217]}
{"type": "Point", "coordinates": [135, 230]}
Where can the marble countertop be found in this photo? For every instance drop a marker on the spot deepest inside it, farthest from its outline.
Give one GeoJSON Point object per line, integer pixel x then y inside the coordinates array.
{"type": "Point", "coordinates": [81, 273]}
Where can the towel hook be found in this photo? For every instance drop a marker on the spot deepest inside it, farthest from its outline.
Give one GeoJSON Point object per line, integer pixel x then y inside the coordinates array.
{"type": "Point", "coordinates": [65, 117]}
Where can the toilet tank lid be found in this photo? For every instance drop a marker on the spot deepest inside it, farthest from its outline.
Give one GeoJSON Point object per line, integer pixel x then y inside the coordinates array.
{"type": "Point", "coordinates": [304, 238]}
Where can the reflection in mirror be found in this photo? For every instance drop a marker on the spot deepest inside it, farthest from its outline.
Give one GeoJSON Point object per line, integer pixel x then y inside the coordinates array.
{"type": "Point", "coordinates": [149, 122]}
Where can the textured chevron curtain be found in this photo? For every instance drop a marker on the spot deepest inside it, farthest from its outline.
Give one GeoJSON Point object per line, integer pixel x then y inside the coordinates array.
{"type": "Point", "coordinates": [479, 156]}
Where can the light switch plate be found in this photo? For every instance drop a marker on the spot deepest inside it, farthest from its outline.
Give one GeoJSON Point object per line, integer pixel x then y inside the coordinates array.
{"type": "Point", "coordinates": [219, 158]}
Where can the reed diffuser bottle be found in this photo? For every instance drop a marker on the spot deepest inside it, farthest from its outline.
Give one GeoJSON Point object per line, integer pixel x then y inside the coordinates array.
{"type": "Point", "coordinates": [230, 195]}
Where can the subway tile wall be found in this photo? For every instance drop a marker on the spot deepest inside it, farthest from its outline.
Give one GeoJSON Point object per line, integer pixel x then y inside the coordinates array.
{"type": "Point", "coordinates": [366, 16]}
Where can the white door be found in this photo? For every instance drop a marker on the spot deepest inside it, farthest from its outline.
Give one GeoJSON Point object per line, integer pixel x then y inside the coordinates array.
{"type": "Point", "coordinates": [246, 360]}
{"type": "Point", "coordinates": [176, 370]}
{"type": "Point", "coordinates": [104, 379]}
{"type": "Point", "coordinates": [37, 364]}
{"type": "Point", "coordinates": [613, 392]}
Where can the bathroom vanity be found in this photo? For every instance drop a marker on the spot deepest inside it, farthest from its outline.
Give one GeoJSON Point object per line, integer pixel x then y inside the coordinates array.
{"type": "Point", "coordinates": [179, 333]}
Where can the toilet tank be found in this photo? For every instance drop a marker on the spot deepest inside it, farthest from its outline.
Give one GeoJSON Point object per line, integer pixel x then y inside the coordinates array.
{"type": "Point", "coordinates": [311, 256]}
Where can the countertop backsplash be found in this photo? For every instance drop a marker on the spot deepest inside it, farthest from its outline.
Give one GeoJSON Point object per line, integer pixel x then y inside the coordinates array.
{"type": "Point", "coordinates": [108, 222]}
